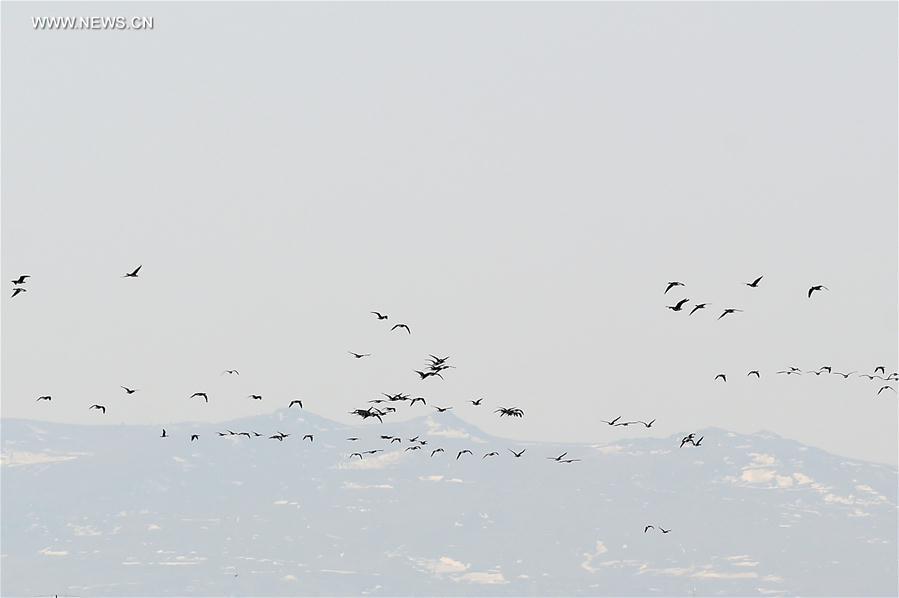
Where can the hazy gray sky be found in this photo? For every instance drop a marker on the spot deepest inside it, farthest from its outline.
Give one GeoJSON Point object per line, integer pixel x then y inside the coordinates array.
{"type": "Point", "coordinates": [517, 182]}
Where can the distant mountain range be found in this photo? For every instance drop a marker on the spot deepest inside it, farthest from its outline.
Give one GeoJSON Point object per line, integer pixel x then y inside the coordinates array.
{"type": "Point", "coordinates": [117, 511]}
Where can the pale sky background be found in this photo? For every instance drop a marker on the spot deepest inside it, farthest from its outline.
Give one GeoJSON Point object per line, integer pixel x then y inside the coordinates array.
{"type": "Point", "coordinates": [517, 182]}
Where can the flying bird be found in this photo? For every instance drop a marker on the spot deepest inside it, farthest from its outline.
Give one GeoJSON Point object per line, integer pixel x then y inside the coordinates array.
{"type": "Point", "coordinates": [130, 391]}
{"type": "Point", "coordinates": [754, 283]}
{"type": "Point", "coordinates": [697, 307]}
{"type": "Point", "coordinates": [881, 368]}
{"type": "Point", "coordinates": [698, 442]}
{"type": "Point", "coordinates": [200, 394]}
{"type": "Point", "coordinates": [437, 450]}
{"type": "Point", "coordinates": [295, 402]}
{"type": "Point", "coordinates": [133, 274]}
{"type": "Point", "coordinates": [559, 458]}
{"type": "Point", "coordinates": [194, 437]}
{"type": "Point", "coordinates": [424, 375]}
{"type": "Point", "coordinates": [611, 423]}
{"type": "Point", "coordinates": [518, 454]}
{"type": "Point", "coordinates": [478, 402]}
{"type": "Point", "coordinates": [663, 530]}
{"type": "Point", "coordinates": [671, 285]}
{"type": "Point", "coordinates": [100, 407]}
{"type": "Point", "coordinates": [417, 399]}
{"type": "Point", "coordinates": [413, 448]}
{"type": "Point", "coordinates": [395, 326]}
{"type": "Point", "coordinates": [678, 306]}
{"type": "Point", "coordinates": [21, 279]}
{"type": "Point", "coordinates": [756, 372]}
{"type": "Point", "coordinates": [883, 388]}
{"type": "Point", "coordinates": [255, 397]}
{"type": "Point", "coordinates": [647, 528]}
{"type": "Point", "coordinates": [490, 454]}
{"type": "Point", "coordinates": [686, 439]}
{"type": "Point", "coordinates": [648, 425]}
{"type": "Point", "coordinates": [510, 411]}
{"type": "Point", "coordinates": [309, 437]}
{"type": "Point", "coordinates": [380, 316]}
{"type": "Point", "coordinates": [353, 438]}
{"type": "Point", "coordinates": [729, 310]}
{"type": "Point", "coordinates": [17, 290]}
{"type": "Point", "coordinates": [460, 453]}
{"type": "Point", "coordinates": [164, 435]}
{"type": "Point", "coordinates": [817, 287]}
{"type": "Point", "coordinates": [356, 455]}
{"type": "Point", "coordinates": [442, 409]}
{"type": "Point", "coordinates": [359, 355]}
{"type": "Point", "coordinates": [234, 372]}
{"type": "Point", "coordinates": [722, 376]}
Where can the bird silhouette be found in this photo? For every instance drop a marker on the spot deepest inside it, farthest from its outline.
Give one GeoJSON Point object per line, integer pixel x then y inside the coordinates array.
{"type": "Point", "coordinates": [437, 450]}
{"type": "Point", "coordinates": [424, 375]}
{"type": "Point", "coordinates": [559, 458]}
{"type": "Point", "coordinates": [308, 437]}
{"type": "Point", "coordinates": [460, 453]}
{"type": "Point", "coordinates": [359, 355]}
{"type": "Point", "coordinates": [754, 283]}
{"type": "Point", "coordinates": [722, 376]}
{"type": "Point", "coordinates": [817, 287]}
{"type": "Point", "coordinates": [678, 306]}
{"type": "Point", "coordinates": [353, 438]}
{"type": "Point", "coordinates": [648, 425]}
{"type": "Point", "coordinates": [698, 306]}
{"type": "Point", "coordinates": [21, 279]}
{"type": "Point", "coordinates": [647, 528]}
{"type": "Point", "coordinates": [688, 438]}
{"type": "Point", "coordinates": [45, 398]}
{"type": "Point", "coordinates": [698, 442]}
{"type": "Point", "coordinates": [295, 402]}
{"type": "Point", "coordinates": [442, 409]}
{"type": "Point", "coordinates": [756, 372]}
{"type": "Point", "coordinates": [490, 454]}
{"type": "Point", "coordinates": [418, 399]}
{"type": "Point", "coordinates": [881, 368]}
{"type": "Point", "coordinates": [843, 375]}
{"type": "Point", "coordinates": [413, 448]}
{"type": "Point", "coordinates": [234, 372]}
{"type": "Point", "coordinates": [130, 391]}
{"type": "Point", "coordinates": [664, 531]}
{"type": "Point", "coordinates": [477, 402]}
{"type": "Point", "coordinates": [255, 397]}
{"type": "Point", "coordinates": [510, 411]}
{"type": "Point", "coordinates": [17, 290]}
{"type": "Point", "coordinates": [164, 435]}
{"type": "Point", "coordinates": [518, 454]}
{"type": "Point", "coordinates": [133, 273]}
{"type": "Point", "coordinates": [729, 310]}
{"type": "Point", "coordinates": [671, 285]}
{"type": "Point", "coordinates": [100, 407]}
{"type": "Point", "coordinates": [883, 388]}
{"type": "Point", "coordinates": [200, 394]}
{"type": "Point", "coordinates": [611, 423]}
{"type": "Point", "coordinates": [380, 316]}
{"type": "Point", "coordinates": [194, 437]}
{"type": "Point", "coordinates": [356, 455]}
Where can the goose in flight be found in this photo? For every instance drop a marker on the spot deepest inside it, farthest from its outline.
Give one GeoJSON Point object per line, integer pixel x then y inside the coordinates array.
{"type": "Point", "coordinates": [231, 372]}
{"type": "Point", "coordinates": [295, 402]}
{"type": "Point", "coordinates": [611, 423]}
{"type": "Point", "coordinates": [194, 437]}
{"type": "Point", "coordinates": [722, 376]}
{"type": "Point", "coordinates": [490, 454]}
{"type": "Point", "coordinates": [677, 306]}
{"type": "Point", "coordinates": [477, 402]}
{"type": "Point", "coordinates": [395, 326]}
{"type": "Point", "coordinates": [416, 447]}
{"type": "Point", "coordinates": [729, 310]}
{"type": "Point", "coordinates": [359, 355]}
{"type": "Point", "coordinates": [418, 399]}
{"type": "Point", "coordinates": [510, 411]}
{"type": "Point", "coordinates": [569, 460]}
{"type": "Point", "coordinates": [130, 391]}
{"type": "Point", "coordinates": [308, 437]}
{"type": "Point", "coordinates": [688, 438]}
{"type": "Point", "coordinates": [45, 398]}
{"type": "Point", "coordinates": [17, 290]}
{"type": "Point", "coordinates": [756, 372]}
{"type": "Point", "coordinates": [559, 458]}
{"type": "Point", "coordinates": [698, 442]}
{"type": "Point", "coordinates": [356, 455]}
{"type": "Point", "coordinates": [164, 435]}
{"type": "Point", "coordinates": [817, 287]}
{"type": "Point", "coordinates": [460, 453]}
{"type": "Point", "coordinates": [754, 283]}
{"type": "Point", "coordinates": [881, 368]}
{"type": "Point", "coordinates": [663, 530]}
{"type": "Point", "coordinates": [200, 394]}
{"type": "Point", "coordinates": [647, 528]}
{"type": "Point", "coordinates": [367, 413]}
{"type": "Point", "coordinates": [21, 279]}
{"type": "Point", "coordinates": [100, 407]}
{"type": "Point", "coordinates": [133, 273]}
{"type": "Point", "coordinates": [671, 285]}
{"type": "Point", "coordinates": [353, 438]}
{"type": "Point", "coordinates": [442, 409]}
{"type": "Point", "coordinates": [843, 375]}
{"type": "Point", "coordinates": [883, 388]}
{"type": "Point", "coordinates": [518, 454]}
{"type": "Point", "coordinates": [380, 316]}
{"type": "Point", "coordinates": [424, 375]}
{"type": "Point", "coordinates": [437, 450]}
{"type": "Point", "coordinates": [255, 397]}
{"type": "Point", "coordinates": [697, 307]}
{"type": "Point", "coordinates": [648, 425]}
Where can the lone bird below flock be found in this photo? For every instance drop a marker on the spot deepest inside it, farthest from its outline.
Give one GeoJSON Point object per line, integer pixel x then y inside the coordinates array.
{"type": "Point", "coordinates": [817, 287]}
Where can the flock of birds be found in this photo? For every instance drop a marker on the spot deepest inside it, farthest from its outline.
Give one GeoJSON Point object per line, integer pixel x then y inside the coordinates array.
{"type": "Point", "coordinates": [436, 366]}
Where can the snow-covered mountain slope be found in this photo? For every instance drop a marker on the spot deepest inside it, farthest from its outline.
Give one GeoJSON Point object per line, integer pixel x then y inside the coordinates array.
{"type": "Point", "coordinates": [117, 510]}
